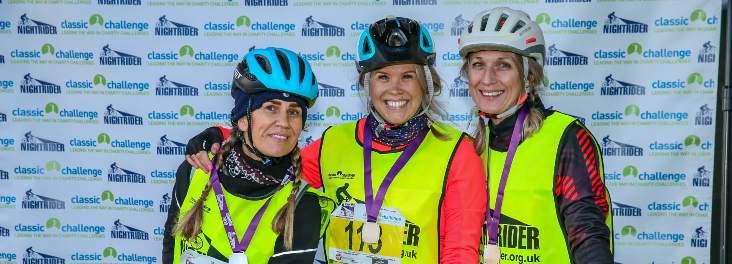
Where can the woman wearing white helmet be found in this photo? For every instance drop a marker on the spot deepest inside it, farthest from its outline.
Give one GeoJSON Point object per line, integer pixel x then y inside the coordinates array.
{"type": "Point", "coordinates": [547, 197]}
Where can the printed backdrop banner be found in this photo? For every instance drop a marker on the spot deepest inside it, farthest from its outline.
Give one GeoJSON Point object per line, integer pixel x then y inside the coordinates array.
{"type": "Point", "coordinates": [99, 97]}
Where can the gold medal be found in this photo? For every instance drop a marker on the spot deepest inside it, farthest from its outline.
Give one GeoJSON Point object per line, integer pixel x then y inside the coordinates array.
{"type": "Point", "coordinates": [370, 233]}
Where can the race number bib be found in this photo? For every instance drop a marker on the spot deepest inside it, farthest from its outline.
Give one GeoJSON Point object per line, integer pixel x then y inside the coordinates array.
{"type": "Point", "coordinates": [192, 257]}
{"type": "Point", "coordinates": [346, 244]}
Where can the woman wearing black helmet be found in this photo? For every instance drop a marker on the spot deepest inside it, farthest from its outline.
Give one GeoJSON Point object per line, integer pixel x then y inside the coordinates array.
{"type": "Point", "coordinates": [415, 191]}
{"type": "Point", "coordinates": [258, 212]}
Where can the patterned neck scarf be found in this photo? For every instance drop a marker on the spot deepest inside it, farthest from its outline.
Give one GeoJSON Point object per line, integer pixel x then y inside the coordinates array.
{"type": "Point", "coordinates": [249, 177]}
{"type": "Point", "coordinates": [393, 136]}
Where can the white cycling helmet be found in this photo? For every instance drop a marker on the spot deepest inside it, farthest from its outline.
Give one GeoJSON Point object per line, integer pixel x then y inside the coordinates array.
{"type": "Point", "coordinates": [505, 29]}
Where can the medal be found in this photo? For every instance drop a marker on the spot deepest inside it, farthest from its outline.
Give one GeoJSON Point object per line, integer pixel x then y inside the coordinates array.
{"type": "Point", "coordinates": [238, 258]}
{"type": "Point", "coordinates": [491, 254]}
{"type": "Point", "coordinates": [371, 233]}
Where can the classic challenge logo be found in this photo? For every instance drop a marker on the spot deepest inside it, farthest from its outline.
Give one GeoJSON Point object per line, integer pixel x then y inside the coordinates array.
{"type": "Point", "coordinates": [48, 54]}
{"type": "Point", "coordinates": [96, 24]}
{"type": "Point", "coordinates": [570, 25]}
{"type": "Point", "coordinates": [696, 21]}
{"type": "Point", "coordinates": [54, 171]}
{"type": "Point", "coordinates": [105, 144]}
{"type": "Point", "coordinates": [187, 56]}
{"type": "Point", "coordinates": [109, 202]}
{"type": "Point", "coordinates": [99, 85]}
{"type": "Point", "coordinates": [631, 176]}
{"type": "Point", "coordinates": [636, 54]}
{"type": "Point", "coordinates": [634, 116]}
{"type": "Point", "coordinates": [694, 83]}
{"type": "Point", "coordinates": [53, 228]}
{"type": "Point", "coordinates": [244, 26]}
{"type": "Point", "coordinates": [187, 116]}
{"type": "Point", "coordinates": [52, 113]}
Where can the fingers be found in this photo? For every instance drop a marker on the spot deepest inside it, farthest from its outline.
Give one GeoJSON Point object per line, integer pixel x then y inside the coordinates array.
{"type": "Point", "coordinates": [215, 148]}
{"type": "Point", "coordinates": [201, 158]}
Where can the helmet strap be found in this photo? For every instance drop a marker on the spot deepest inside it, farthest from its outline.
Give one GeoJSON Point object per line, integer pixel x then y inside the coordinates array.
{"type": "Point", "coordinates": [266, 160]}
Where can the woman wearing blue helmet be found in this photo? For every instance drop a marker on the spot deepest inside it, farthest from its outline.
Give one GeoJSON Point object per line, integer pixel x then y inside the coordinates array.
{"type": "Point", "coordinates": [259, 212]}
{"type": "Point", "coordinates": [409, 189]}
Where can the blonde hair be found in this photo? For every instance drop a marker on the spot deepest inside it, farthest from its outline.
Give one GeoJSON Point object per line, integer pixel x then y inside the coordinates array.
{"type": "Point", "coordinates": [434, 108]}
{"type": "Point", "coordinates": [190, 225]}
{"type": "Point", "coordinates": [535, 117]}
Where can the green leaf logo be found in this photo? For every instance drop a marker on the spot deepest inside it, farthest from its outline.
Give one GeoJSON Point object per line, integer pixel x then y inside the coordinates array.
{"type": "Point", "coordinates": [690, 201]}
{"type": "Point", "coordinates": [635, 48]}
{"type": "Point", "coordinates": [53, 165]}
{"type": "Point", "coordinates": [103, 138]}
{"type": "Point", "coordinates": [333, 51]}
{"type": "Point", "coordinates": [110, 252]}
{"type": "Point", "coordinates": [48, 49]}
{"type": "Point", "coordinates": [630, 170]}
{"type": "Point", "coordinates": [53, 222]}
{"type": "Point", "coordinates": [699, 15]}
{"type": "Point", "coordinates": [186, 110]}
{"type": "Point", "coordinates": [243, 20]}
{"type": "Point", "coordinates": [628, 230]}
{"type": "Point", "coordinates": [333, 112]}
{"type": "Point", "coordinates": [632, 110]}
{"type": "Point", "coordinates": [688, 260]}
{"type": "Point", "coordinates": [51, 108]}
{"type": "Point", "coordinates": [546, 81]}
{"type": "Point", "coordinates": [692, 140]}
{"type": "Point", "coordinates": [695, 78]}
{"type": "Point", "coordinates": [99, 79]}
{"type": "Point", "coordinates": [186, 51]}
{"type": "Point", "coordinates": [543, 18]}
{"type": "Point", "coordinates": [107, 196]}
{"type": "Point", "coordinates": [96, 19]}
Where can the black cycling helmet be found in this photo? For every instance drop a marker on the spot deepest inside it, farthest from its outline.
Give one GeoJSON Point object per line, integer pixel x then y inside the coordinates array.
{"type": "Point", "coordinates": [394, 40]}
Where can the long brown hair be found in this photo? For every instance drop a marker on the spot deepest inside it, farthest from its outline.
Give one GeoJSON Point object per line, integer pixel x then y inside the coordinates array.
{"type": "Point", "coordinates": [535, 117]}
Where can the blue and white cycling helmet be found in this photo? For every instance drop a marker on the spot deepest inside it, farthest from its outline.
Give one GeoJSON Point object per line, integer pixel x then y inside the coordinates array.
{"type": "Point", "coordinates": [276, 69]}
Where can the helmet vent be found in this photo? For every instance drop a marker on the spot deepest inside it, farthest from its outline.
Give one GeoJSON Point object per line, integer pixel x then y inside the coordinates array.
{"type": "Point", "coordinates": [501, 21]}
{"type": "Point", "coordinates": [470, 28]}
{"type": "Point", "coordinates": [518, 26]}
{"type": "Point", "coordinates": [282, 58]}
{"type": "Point", "coordinates": [301, 67]}
{"type": "Point", "coordinates": [263, 63]}
{"type": "Point", "coordinates": [484, 22]}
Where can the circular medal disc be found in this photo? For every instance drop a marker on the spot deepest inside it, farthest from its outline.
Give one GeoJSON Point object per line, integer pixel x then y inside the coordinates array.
{"type": "Point", "coordinates": [238, 258]}
{"type": "Point", "coordinates": [491, 254]}
{"type": "Point", "coordinates": [370, 233]}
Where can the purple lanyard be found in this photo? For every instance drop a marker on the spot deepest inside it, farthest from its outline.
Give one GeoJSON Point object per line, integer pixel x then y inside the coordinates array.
{"type": "Point", "coordinates": [373, 206]}
{"type": "Point", "coordinates": [495, 219]}
{"type": "Point", "coordinates": [242, 246]}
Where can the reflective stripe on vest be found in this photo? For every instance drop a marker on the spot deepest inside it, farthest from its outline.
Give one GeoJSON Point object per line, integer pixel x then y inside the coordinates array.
{"type": "Point", "coordinates": [530, 230]}
{"type": "Point", "coordinates": [416, 190]}
{"type": "Point", "coordinates": [213, 234]}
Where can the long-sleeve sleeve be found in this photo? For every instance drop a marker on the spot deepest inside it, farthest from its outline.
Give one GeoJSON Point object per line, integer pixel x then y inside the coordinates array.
{"type": "Point", "coordinates": [180, 188]}
{"type": "Point", "coordinates": [581, 196]}
{"type": "Point", "coordinates": [462, 212]}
